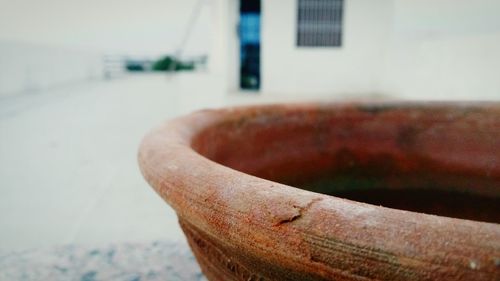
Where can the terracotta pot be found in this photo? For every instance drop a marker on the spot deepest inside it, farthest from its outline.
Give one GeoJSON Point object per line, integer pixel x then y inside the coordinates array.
{"type": "Point", "coordinates": [229, 174]}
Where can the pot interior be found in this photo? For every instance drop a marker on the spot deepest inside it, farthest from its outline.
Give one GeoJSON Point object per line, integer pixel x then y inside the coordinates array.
{"type": "Point", "coordinates": [439, 159]}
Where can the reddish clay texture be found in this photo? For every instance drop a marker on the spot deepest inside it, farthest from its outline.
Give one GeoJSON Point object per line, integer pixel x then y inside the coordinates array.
{"type": "Point", "coordinates": [229, 174]}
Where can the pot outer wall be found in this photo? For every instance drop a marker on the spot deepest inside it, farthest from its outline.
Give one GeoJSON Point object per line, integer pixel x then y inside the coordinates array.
{"type": "Point", "coordinates": [241, 227]}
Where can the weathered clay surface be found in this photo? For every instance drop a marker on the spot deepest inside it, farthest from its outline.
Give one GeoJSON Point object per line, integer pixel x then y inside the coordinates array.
{"type": "Point", "coordinates": [228, 173]}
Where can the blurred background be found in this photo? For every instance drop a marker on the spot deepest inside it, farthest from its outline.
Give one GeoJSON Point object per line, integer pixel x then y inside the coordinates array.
{"type": "Point", "coordinates": [81, 82]}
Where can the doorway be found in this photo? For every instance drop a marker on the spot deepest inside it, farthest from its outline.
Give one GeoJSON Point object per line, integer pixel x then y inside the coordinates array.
{"type": "Point", "coordinates": [249, 35]}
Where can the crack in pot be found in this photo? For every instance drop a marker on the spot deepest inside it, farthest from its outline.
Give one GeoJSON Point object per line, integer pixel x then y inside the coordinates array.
{"type": "Point", "coordinates": [299, 212]}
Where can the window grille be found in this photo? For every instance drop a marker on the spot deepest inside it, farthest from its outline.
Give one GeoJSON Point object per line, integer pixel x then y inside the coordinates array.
{"type": "Point", "coordinates": [319, 23]}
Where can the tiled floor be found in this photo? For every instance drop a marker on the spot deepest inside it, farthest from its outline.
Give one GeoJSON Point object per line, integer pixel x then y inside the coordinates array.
{"type": "Point", "coordinates": [68, 169]}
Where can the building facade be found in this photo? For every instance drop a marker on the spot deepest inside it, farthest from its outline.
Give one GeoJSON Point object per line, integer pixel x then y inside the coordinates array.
{"type": "Point", "coordinates": [414, 49]}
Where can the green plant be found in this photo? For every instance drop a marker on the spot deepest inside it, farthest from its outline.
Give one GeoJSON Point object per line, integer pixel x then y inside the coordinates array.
{"type": "Point", "coordinates": [168, 63]}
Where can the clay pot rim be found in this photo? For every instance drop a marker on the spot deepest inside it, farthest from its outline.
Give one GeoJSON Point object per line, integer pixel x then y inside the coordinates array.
{"type": "Point", "coordinates": [178, 134]}
{"type": "Point", "coordinates": [181, 176]}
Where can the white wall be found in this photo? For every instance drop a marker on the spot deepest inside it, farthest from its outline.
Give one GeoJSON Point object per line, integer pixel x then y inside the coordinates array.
{"type": "Point", "coordinates": [352, 68]}
{"type": "Point", "coordinates": [134, 27]}
{"type": "Point", "coordinates": [28, 67]}
{"type": "Point", "coordinates": [414, 49]}
{"type": "Point", "coordinates": [445, 49]}
{"type": "Point", "coordinates": [223, 61]}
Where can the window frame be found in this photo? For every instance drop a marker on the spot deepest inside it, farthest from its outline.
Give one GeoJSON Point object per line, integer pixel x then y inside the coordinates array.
{"type": "Point", "coordinates": [315, 32]}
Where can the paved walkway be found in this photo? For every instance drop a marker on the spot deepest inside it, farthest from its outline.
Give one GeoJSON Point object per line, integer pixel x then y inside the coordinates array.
{"type": "Point", "coordinates": [68, 169]}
